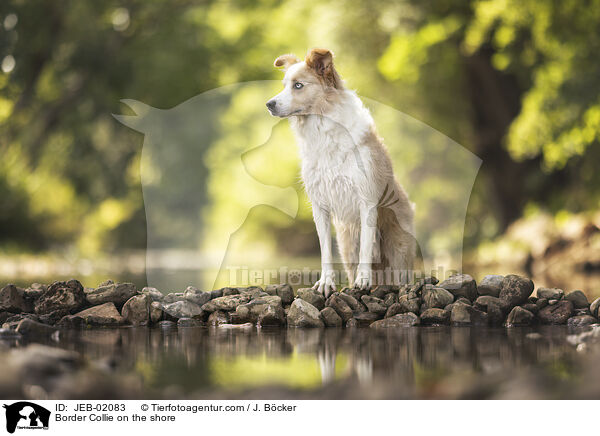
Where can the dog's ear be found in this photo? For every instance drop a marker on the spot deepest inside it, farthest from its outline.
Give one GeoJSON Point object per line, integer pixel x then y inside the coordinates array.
{"type": "Point", "coordinates": [321, 61]}
{"type": "Point", "coordinates": [285, 61]}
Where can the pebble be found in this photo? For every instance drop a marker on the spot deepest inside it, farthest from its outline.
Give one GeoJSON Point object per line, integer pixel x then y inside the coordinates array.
{"type": "Point", "coordinates": [304, 314]}
{"type": "Point", "coordinates": [516, 290]}
{"type": "Point", "coordinates": [490, 285]}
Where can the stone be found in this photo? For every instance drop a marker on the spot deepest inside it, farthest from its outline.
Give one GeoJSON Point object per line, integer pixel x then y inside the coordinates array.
{"type": "Point", "coordinates": [467, 315]}
{"type": "Point", "coordinates": [550, 293]}
{"type": "Point", "coordinates": [541, 303]}
{"type": "Point", "coordinates": [30, 328]}
{"type": "Point", "coordinates": [352, 323]}
{"type": "Point", "coordinates": [183, 309]}
{"type": "Point", "coordinates": [355, 305]}
{"type": "Point", "coordinates": [153, 293]}
{"type": "Point", "coordinates": [557, 313]}
{"type": "Point", "coordinates": [581, 321]}
{"type": "Point", "coordinates": [196, 296]}
{"type": "Point", "coordinates": [519, 317]}
{"type": "Point", "coordinates": [516, 290]}
{"type": "Point", "coordinates": [217, 318]}
{"type": "Point", "coordinates": [435, 316]}
{"type": "Point", "coordinates": [374, 304]}
{"type": "Point", "coordinates": [136, 310]}
{"type": "Point", "coordinates": [313, 297]}
{"type": "Point", "coordinates": [103, 315]}
{"type": "Point", "coordinates": [38, 361]}
{"type": "Point", "coordinates": [12, 300]}
{"type": "Point", "coordinates": [390, 299]}
{"type": "Point", "coordinates": [338, 304]}
{"type": "Point", "coordinates": [12, 321]}
{"type": "Point", "coordinates": [594, 307]}
{"type": "Point", "coordinates": [229, 291]}
{"type": "Point", "coordinates": [410, 302]}
{"type": "Point", "coordinates": [463, 300]}
{"type": "Point", "coordinates": [304, 314]}
{"type": "Point", "coordinates": [242, 327]}
{"type": "Point", "coordinates": [34, 291]}
{"type": "Point", "coordinates": [401, 320]}
{"type": "Point", "coordinates": [365, 319]}
{"type": "Point", "coordinates": [381, 291]}
{"type": "Point", "coordinates": [68, 296]}
{"type": "Point", "coordinates": [578, 299]}
{"type": "Point", "coordinates": [251, 311]}
{"type": "Point", "coordinates": [272, 315]}
{"type": "Point", "coordinates": [226, 302]}
{"type": "Point", "coordinates": [216, 293]}
{"type": "Point", "coordinates": [461, 285]}
{"type": "Point", "coordinates": [156, 312]}
{"type": "Point", "coordinates": [283, 291]}
{"type": "Point", "coordinates": [395, 309]}
{"type": "Point", "coordinates": [189, 322]}
{"type": "Point", "coordinates": [355, 293]}
{"type": "Point", "coordinates": [54, 316]}
{"type": "Point", "coordinates": [490, 285]}
{"type": "Point", "coordinates": [253, 291]}
{"type": "Point", "coordinates": [117, 293]}
{"type": "Point", "coordinates": [552, 302]}
{"type": "Point", "coordinates": [483, 302]}
{"type": "Point", "coordinates": [8, 334]}
{"type": "Point", "coordinates": [173, 297]}
{"type": "Point", "coordinates": [531, 307]}
{"type": "Point", "coordinates": [436, 297]}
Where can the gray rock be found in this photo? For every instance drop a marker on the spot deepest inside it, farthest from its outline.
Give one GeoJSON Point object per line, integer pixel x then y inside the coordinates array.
{"type": "Point", "coordinates": [226, 302]}
{"type": "Point", "coordinates": [67, 296]}
{"type": "Point", "coordinates": [183, 309]}
{"type": "Point", "coordinates": [390, 299]}
{"type": "Point", "coordinates": [217, 318]}
{"type": "Point", "coordinates": [381, 291]}
{"type": "Point", "coordinates": [189, 322]}
{"type": "Point", "coordinates": [594, 307]}
{"type": "Point", "coordinates": [516, 289]}
{"type": "Point", "coordinates": [117, 293]}
{"type": "Point", "coordinates": [251, 311]}
{"type": "Point", "coordinates": [410, 302]}
{"type": "Point", "coordinates": [355, 293]}
{"type": "Point", "coordinates": [483, 302]}
{"type": "Point", "coordinates": [374, 304]}
{"type": "Point", "coordinates": [156, 312]}
{"type": "Point", "coordinates": [11, 300]}
{"type": "Point", "coordinates": [557, 313]}
{"type": "Point", "coordinates": [216, 293]}
{"type": "Point", "coordinates": [461, 285]}
{"type": "Point", "coordinates": [313, 297]}
{"type": "Point", "coordinates": [34, 291]}
{"type": "Point", "coordinates": [578, 299]}
{"type": "Point", "coordinates": [490, 285]}
{"type": "Point", "coordinates": [166, 324]}
{"type": "Point", "coordinates": [541, 303]}
{"type": "Point", "coordinates": [53, 317]}
{"type": "Point", "coordinates": [173, 297]}
{"type": "Point", "coordinates": [519, 317]}
{"type": "Point", "coordinates": [436, 297]}
{"type": "Point", "coordinates": [550, 293]}
{"type": "Point", "coordinates": [354, 304]}
{"type": "Point", "coordinates": [365, 319]}
{"type": "Point", "coordinates": [401, 320]}
{"type": "Point", "coordinates": [30, 328]}
{"type": "Point", "coordinates": [253, 291]}
{"type": "Point", "coordinates": [581, 321]}
{"type": "Point", "coordinates": [303, 314]}
{"type": "Point", "coordinates": [229, 291]}
{"type": "Point", "coordinates": [283, 291]}
{"type": "Point", "coordinates": [435, 316]}
{"type": "Point", "coordinates": [136, 310]}
{"type": "Point", "coordinates": [103, 315]}
{"type": "Point", "coordinates": [467, 315]}
{"type": "Point", "coordinates": [194, 295]}
{"type": "Point", "coordinates": [153, 293]}
{"type": "Point", "coordinates": [531, 307]}
{"type": "Point", "coordinates": [338, 304]}
{"type": "Point", "coordinates": [352, 323]}
{"type": "Point", "coordinates": [272, 315]}
{"type": "Point", "coordinates": [552, 302]}
{"type": "Point", "coordinates": [395, 309]}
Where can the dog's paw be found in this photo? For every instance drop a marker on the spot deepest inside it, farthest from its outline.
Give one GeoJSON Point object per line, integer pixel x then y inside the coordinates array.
{"type": "Point", "coordinates": [363, 279]}
{"type": "Point", "coordinates": [325, 285]}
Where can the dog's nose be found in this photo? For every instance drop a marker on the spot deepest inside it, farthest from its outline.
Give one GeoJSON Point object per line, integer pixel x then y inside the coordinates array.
{"type": "Point", "coordinates": [271, 104]}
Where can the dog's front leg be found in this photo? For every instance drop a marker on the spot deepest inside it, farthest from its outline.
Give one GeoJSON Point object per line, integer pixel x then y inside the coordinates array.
{"type": "Point", "coordinates": [368, 229]}
{"type": "Point", "coordinates": [326, 283]}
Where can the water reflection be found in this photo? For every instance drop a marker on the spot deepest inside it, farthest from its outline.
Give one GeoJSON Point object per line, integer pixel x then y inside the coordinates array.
{"type": "Point", "coordinates": [408, 362]}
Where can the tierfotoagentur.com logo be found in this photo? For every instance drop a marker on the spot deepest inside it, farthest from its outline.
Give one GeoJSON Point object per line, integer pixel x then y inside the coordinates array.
{"type": "Point", "coordinates": [25, 415]}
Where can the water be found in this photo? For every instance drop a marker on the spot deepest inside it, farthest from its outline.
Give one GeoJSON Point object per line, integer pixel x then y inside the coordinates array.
{"type": "Point", "coordinates": [423, 362]}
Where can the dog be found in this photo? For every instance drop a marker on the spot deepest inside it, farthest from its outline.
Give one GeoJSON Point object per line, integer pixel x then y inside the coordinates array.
{"type": "Point", "coordinates": [347, 174]}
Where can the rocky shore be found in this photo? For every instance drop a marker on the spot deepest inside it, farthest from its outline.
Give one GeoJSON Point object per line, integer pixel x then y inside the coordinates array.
{"type": "Point", "coordinates": [458, 301]}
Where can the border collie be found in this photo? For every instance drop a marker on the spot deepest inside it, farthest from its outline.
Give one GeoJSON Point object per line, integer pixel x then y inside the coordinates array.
{"type": "Point", "coordinates": [347, 174]}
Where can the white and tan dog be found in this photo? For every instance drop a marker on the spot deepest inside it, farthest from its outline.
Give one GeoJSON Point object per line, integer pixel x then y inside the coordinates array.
{"type": "Point", "coordinates": [347, 174]}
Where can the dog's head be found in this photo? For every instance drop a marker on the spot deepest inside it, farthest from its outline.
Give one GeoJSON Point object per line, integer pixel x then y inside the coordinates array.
{"type": "Point", "coordinates": [308, 86]}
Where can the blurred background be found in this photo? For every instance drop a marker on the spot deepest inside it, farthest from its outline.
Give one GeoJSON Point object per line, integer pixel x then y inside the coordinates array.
{"type": "Point", "coordinates": [515, 83]}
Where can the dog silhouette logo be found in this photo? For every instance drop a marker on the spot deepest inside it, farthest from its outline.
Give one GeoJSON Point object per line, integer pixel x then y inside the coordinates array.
{"type": "Point", "coordinates": [26, 415]}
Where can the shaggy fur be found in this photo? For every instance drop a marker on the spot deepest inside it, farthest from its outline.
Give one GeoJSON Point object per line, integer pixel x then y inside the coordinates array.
{"type": "Point", "coordinates": [347, 174]}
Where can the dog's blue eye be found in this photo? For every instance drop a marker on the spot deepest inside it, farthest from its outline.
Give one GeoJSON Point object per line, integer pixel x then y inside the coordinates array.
{"type": "Point", "coordinates": [298, 85]}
